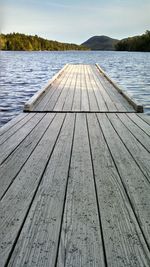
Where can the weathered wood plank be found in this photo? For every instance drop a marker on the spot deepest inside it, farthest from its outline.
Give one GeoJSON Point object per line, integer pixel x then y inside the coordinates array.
{"type": "Point", "coordinates": [80, 242]}
{"type": "Point", "coordinates": [61, 100]}
{"type": "Point", "coordinates": [15, 126]}
{"type": "Point", "coordinates": [110, 104]}
{"type": "Point", "coordinates": [12, 123]}
{"type": "Point", "coordinates": [16, 202]}
{"type": "Point", "coordinates": [70, 97]}
{"type": "Point", "coordinates": [78, 93]}
{"type": "Point", "coordinates": [12, 166]}
{"type": "Point", "coordinates": [138, 107]}
{"type": "Point", "coordinates": [140, 135]}
{"type": "Point", "coordinates": [141, 123]}
{"type": "Point", "coordinates": [138, 152]}
{"type": "Point", "coordinates": [90, 91]}
{"type": "Point", "coordinates": [93, 105]}
{"type": "Point", "coordinates": [121, 103]}
{"type": "Point", "coordinates": [38, 242]}
{"type": "Point", "coordinates": [31, 102]}
{"type": "Point", "coordinates": [84, 90]}
{"type": "Point", "coordinates": [99, 98]}
{"type": "Point", "coordinates": [144, 117]}
{"type": "Point", "coordinates": [54, 98]}
{"type": "Point", "coordinates": [43, 100]}
{"type": "Point", "coordinates": [123, 239]}
{"type": "Point", "coordinates": [133, 180]}
{"type": "Point", "coordinates": [14, 141]}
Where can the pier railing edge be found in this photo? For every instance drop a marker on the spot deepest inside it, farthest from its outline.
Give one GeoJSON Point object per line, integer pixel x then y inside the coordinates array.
{"type": "Point", "coordinates": [137, 106]}
{"type": "Point", "coordinates": [30, 103]}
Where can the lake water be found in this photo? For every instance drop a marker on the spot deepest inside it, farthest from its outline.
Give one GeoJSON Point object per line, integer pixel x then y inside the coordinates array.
{"type": "Point", "coordinates": [23, 73]}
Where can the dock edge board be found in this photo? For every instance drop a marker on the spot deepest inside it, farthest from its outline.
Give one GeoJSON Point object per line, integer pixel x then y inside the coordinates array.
{"type": "Point", "coordinates": [30, 103]}
{"type": "Point", "coordinates": [137, 106]}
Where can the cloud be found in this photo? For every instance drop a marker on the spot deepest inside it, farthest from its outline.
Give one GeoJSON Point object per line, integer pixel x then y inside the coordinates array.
{"type": "Point", "coordinates": [73, 22]}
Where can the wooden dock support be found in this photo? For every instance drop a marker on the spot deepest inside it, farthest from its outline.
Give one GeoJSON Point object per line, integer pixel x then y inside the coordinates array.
{"type": "Point", "coordinates": [75, 177]}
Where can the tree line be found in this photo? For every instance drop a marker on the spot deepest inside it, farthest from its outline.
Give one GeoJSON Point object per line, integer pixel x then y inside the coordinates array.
{"type": "Point", "coordinates": [22, 42]}
{"type": "Point", "coordinates": [136, 43]}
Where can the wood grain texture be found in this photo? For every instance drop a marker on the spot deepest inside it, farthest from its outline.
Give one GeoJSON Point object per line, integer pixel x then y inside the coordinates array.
{"type": "Point", "coordinates": [16, 125]}
{"type": "Point", "coordinates": [38, 242]}
{"type": "Point", "coordinates": [138, 152]}
{"type": "Point", "coordinates": [80, 242]}
{"type": "Point", "coordinates": [123, 239]}
{"type": "Point", "coordinates": [139, 134]}
{"type": "Point", "coordinates": [12, 166]}
{"type": "Point", "coordinates": [141, 123]}
{"type": "Point", "coordinates": [21, 192]}
{"type": "Point", "coordinates": [138, 107]}
{"type": "Point", "coordinates": [78, 92]}
{"type": "Point", "coordinates": [99, 97]}
{"type": "Point", "coordinates": [13, 142]}
{"type": "Point", "coordinates": [133, 179]}
{"type": "Point", "coordinates": [111, 105]}
{"type": "Point", "coordinates": [57, 93]}
{"type": "Point", "coordinates": [61, 100]}
{"type": "Point", "coordinates": [12, 123]}
{"type": "Point", "coordinates": [144, 117]}
{"type": "Point", "coordinates": [120, 102]}
{"type": "Point", "coordinates": [93, 103]}
{"type": "Point", "coordinates": [68, 104]}
{"type": "Point", "coordinates": [81, 87]}
{"type": "Point", "coordinates": [29, 105]}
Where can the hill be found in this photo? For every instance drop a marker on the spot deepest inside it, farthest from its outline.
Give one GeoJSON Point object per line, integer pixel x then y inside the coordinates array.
{"type": "Point", "coordinates": [101, 43]}
{"type": "Point", "coordinates": [136, 43]}
{"type": "Point", "coordinates": [22, 42]}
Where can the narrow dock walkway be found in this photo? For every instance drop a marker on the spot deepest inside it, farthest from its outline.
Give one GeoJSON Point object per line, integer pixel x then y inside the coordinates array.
{"type": "Point", "coordinates": [75, 189]}
{"type": "Point", "coordinates": [82, 88]}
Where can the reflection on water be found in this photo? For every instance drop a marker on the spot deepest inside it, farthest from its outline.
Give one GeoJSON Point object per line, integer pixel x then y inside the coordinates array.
{"type": "Point", "coordinates": [23, 73]}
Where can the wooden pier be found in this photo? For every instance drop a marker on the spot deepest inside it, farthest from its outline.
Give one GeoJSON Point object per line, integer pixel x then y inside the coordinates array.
{"type": "Point", "coordinates": [75, 176]}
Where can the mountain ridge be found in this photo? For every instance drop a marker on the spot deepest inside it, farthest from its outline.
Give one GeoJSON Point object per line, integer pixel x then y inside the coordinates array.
{"type": "Point", "coordinates": [101, 42]}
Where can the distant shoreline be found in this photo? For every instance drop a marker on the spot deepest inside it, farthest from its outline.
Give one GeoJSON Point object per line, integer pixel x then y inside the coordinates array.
{"type": "Point", "coordinates": [22, 42]}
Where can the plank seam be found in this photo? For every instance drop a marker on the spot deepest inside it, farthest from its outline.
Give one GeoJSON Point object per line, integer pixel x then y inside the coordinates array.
{"type": "Point", "coordinates": [34, 195]}
{"type": "Point", "coordinates": [93, 89]}
{"type": "Point", "coordinates": [29, 104]}
{"type": "Point", "coordinates": [93, 74]}
{"type": "Point", "coordinates": [106, 91]}
{"type": "Point", "coordinates": [55, 88]}
{"type": "Point", "coordinates": [63, 91]}
{"type": "Point", "coordinates": [84, 70]}
{"type": "Point", "coordinates": [67, 94]}
{"type": "Point", "coordinates": [143, 119]}
{"type": "Point", "coordinates": [96, 195]}
{"type": "Point", "coordinates": [29, 154]}
{"type": "Point", "coordinates": [13, 124]}
{"type": "Point", "coordinates": [74, 91]}
{"type": "Point", "coordinates": [138, 125]}
{"type": "Point", "coordinates": [18, 128]}
{"type": "Point", "coordinates": [65, 197]}
{"type": "Point", "coordinates": [19, 143]}
{"type": "Point", "coordinates": [135, 104]}
{"type": "Point", "coordinates": [76, 111]}
{"type": "Point", "coordinates": [128, 150]}
{"type": "Point", "coordinates": [133, 133]}
{"type": "Point", "coordinates": [124, 186]}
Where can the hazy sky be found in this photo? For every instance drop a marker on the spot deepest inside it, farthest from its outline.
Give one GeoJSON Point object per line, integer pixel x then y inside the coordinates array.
{"type": "Point", "coordinates": [75, 21]}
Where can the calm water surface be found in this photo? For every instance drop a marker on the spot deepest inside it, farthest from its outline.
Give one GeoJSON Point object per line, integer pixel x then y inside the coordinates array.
{"type": "Point", "coordinates": [23, 73]}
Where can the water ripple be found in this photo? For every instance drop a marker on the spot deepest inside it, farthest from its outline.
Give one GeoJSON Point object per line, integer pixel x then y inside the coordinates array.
{"type": "Point", "coordinates": [23, 73]}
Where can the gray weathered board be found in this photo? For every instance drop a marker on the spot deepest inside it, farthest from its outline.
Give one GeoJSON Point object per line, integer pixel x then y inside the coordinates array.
{"type": "Point", "coordinates": [75, 188]}
{"type": "Point", "coordinates": [82, 88]}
